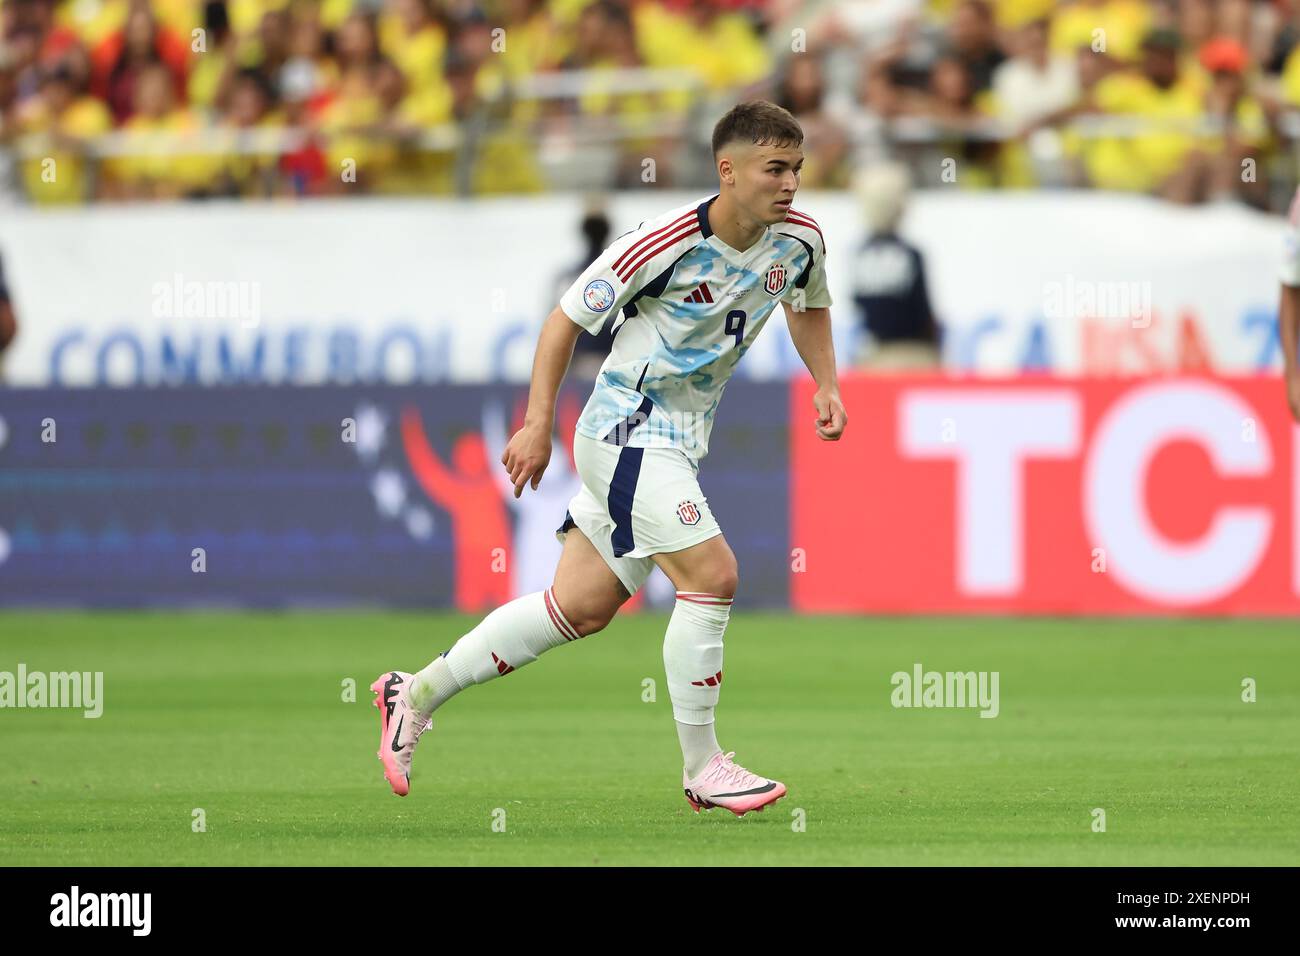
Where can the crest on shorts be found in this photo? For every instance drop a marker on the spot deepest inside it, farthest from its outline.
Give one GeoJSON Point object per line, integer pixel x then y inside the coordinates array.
{"type": "Point", "coordinates": [774, 280]}
{"type": "Point", "coordinates": [687, 513]}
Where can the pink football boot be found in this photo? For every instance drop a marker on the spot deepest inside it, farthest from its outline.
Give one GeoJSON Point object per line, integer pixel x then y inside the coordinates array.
{"type": "Point", "coordinates": [400, 727]}
{"type": "Point", "coordinates": [722, 783]}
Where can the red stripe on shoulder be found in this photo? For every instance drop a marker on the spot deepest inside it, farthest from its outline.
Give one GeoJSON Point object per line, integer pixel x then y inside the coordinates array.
{"type": "Point", "coordinates": [669, 240]}
{"type": "Point", "coordinates": [641, 243]}
{"type": "Point", "coordinates": [803, 219]}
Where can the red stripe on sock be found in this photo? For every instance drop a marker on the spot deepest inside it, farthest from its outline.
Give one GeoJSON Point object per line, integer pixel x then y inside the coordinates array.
{"type": "Point", "coordinates": [697, 597]}
{"type": "Point", "coordinates": [557, 617]}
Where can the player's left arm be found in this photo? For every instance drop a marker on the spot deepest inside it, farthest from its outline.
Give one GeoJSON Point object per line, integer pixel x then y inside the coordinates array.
{"type": "Point", "coordinates": [808, 315]}
{"type": "Point", "coordinates": [810, 330]}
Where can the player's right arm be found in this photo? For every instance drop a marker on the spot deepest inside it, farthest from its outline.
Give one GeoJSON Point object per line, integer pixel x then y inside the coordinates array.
{"type": "Point", "coordinates": [595, 297]}
{"type": "Point", "coordinates": [529, 451]}
{"type": "Point", "coordinates": [1288, 311]}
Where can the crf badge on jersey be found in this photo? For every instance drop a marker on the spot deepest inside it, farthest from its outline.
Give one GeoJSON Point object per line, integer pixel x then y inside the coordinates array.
{"type": "Point", "coordinates": [688, 513]}
{"type": "Point", "coordinates": [774, 280]}
{"type": "Point", "coordinates": [599, 295]}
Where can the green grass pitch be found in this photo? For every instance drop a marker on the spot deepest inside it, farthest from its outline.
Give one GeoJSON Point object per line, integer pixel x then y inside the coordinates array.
{"type": "Point", "coordinates": [242, 715]}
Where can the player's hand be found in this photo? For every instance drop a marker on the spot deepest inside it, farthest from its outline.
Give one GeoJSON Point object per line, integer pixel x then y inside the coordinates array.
{"type": "Point", "coordinates": [831, 417]}
{"type": "Point", "coordinates": [1293, 395]}
{"type": "Point", "coordinates": [527, 455]}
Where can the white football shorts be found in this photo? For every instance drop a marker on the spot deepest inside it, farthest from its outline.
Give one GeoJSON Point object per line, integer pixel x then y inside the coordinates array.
{"type": "Point", "coordinates": [635, 502]}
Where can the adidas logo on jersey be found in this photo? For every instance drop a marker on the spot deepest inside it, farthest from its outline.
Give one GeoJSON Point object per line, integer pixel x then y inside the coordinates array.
{"type": "Point", "coordinates": [702, 294]}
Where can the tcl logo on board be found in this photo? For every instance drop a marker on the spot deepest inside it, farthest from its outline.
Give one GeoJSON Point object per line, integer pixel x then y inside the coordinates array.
{"type": "Point", "coordinates": [1052, 496]}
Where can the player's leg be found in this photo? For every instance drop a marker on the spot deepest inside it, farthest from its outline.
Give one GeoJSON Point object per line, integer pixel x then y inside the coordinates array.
{"type": "Point", "coordinates": [705, 576]}
{"type": "Point", "coordinates": [583, 599]}
{"type": "Point", "coordinates": [586, 590]}
{"type": "Point", "coordinates": [585, 596]}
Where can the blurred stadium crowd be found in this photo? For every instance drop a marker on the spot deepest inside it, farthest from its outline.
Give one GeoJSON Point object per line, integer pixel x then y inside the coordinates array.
{"type": "Point", "coordinates": [1192, 100]}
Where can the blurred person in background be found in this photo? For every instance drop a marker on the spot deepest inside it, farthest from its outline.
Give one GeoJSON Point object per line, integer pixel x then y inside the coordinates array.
{"type": "Point", "coordinates": [956, 107]}
{"type": "Point", "coordinates": [1245, 136]}
{"type": "Point", "coordinates": [1171, 99]}
{"type": "Point", "coordinates": [591, 350]}
{"type": "Point", "coordinates": [720, 46]}
{"type": "Point", "coordinates": [148, 173]}
{"type": "Point", "coordinates": [802, 90]}
{"type": "Point", "coordinates": [1032, 91]}
{"type": "Point", "coordinates": [268, 50]}
{"type": "Point", "coordinates": [120, 58]}
{"type": "Point", "coordinates": [944, 94]}
{"type": "Point", "coordinates": [353, 114]}
{"type": "Point", "coordinates": [540, 35]}
{"type": "Point", "coordinates": [898, 331]}
{"type": "Point", "coordinates": [213, 65]}
{"type": "Point", "coordinates": [413, 34]}
{"type": "Point", "coordinates": [506, 156]}
{"type": "Point", "coordinates": [8, 123]}
{"type": "Point", "coordinates": [1113, 27]}
{"type": "Point", "coordinates": [605, 42]}
{"type": "Point", "coordinates": [302, 169]}
{"type": "Point", "coordinates": [22, 46]}
{"type": "Point", "coordinates": [1035, 85]}
{"type": "Point", "coordinates": [69, 121]}
{"type": "Point", "coordinates": [252, 107]}
{"type": "Point", "coordinates": [973, 41]}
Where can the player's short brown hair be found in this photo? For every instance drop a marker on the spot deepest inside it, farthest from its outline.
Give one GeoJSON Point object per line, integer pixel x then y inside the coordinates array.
{"type": "Point", "coordinates": [758, 122]}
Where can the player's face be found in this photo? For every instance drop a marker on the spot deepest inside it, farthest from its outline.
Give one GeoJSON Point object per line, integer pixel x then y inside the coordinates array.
{"type": "Point", "coordinates": [767, 177]}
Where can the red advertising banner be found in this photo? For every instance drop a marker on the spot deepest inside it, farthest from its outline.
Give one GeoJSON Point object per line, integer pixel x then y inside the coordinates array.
{"type": "Point", "coordinates": [1162, 496]}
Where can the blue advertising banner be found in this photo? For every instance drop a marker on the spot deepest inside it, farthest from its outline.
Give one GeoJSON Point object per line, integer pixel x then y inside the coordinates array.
{"type": "Point", "coordinates": [317, 496]}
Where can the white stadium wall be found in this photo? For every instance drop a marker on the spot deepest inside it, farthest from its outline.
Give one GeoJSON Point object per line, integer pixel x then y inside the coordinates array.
{"type": "Point", "coordinates": [430, 290]}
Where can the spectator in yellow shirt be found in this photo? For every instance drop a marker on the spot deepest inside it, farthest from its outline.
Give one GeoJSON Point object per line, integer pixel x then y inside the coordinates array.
{"type": "Point", "coordinates": [1229, 161]}
{"type": "Point", "coordinates": [64, 122]}
{"type": "Point", "coordinates": [413, 34]}
{"type": "Point", "coordinates": [724, 49]}
{"type": "Point", "coordinates": [1113, 27]}
{"type": "Point", "coordinates": [251, 108]}
{"type": "Point", "coordinates": [1170, 101]}
{"type": "Point", "coordinates": [156, 171]}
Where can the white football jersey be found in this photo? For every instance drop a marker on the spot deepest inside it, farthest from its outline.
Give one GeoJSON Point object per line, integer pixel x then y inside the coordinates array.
{"type": "Point", "coordinates": [685, 307]}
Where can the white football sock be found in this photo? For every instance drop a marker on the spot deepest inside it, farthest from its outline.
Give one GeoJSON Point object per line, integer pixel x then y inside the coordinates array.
{"type": "Point", "coordinates": [699, 744]}
{"type": "Point", "coordinates": [693, 655]}
{"type": "Point", "coordinates": [513, 635]}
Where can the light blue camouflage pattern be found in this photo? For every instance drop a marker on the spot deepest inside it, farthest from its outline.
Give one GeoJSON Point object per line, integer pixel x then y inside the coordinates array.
{"type": "Point", "coordinates": [684, 318]}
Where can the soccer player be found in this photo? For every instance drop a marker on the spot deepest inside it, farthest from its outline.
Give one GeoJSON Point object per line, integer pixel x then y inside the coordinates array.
{"type": "Point", "coordinates": [691, 289]}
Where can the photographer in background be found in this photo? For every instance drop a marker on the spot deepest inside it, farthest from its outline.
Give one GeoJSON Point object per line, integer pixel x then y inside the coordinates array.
{"type": "Point", "coordinates": [591, 350]}
{"type": "Point", "coordinates": [898, 331]}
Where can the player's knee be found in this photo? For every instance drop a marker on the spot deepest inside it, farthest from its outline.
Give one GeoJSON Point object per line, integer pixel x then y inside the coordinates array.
{"type": "Point", "coordinates": [589, 620]}
{"type": "Point", "coordinates": [727, 582]}
{"type": "Point", "coordinates": [721, 578]}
